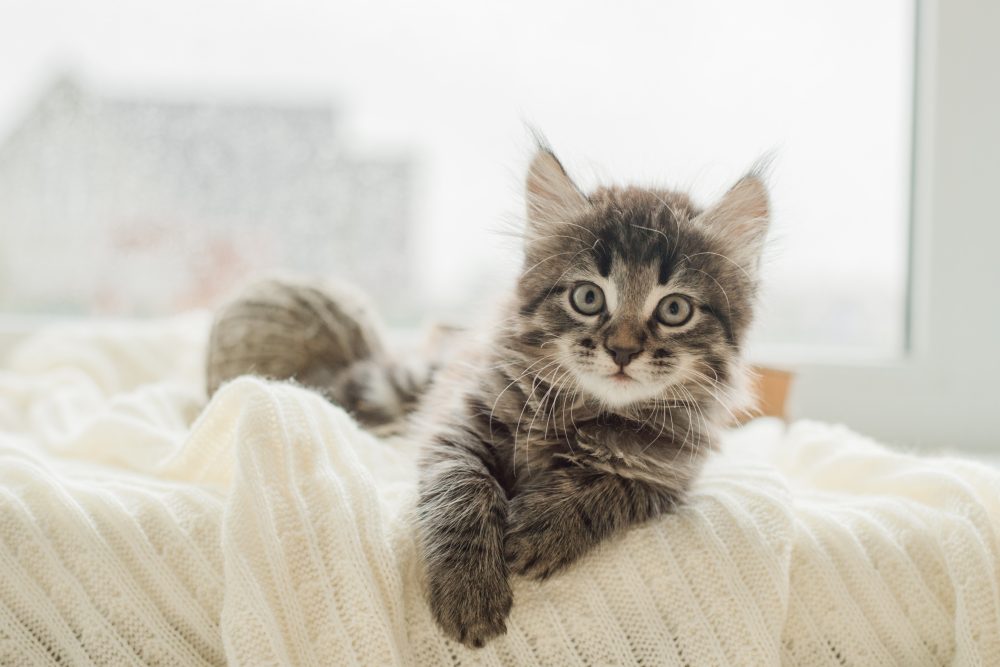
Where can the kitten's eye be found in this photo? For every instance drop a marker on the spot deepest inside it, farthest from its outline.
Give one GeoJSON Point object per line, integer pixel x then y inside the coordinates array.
{"type": "Point", "coordinates": [587, 299]}
{"type": "Point", "coordinates": [674, 310]}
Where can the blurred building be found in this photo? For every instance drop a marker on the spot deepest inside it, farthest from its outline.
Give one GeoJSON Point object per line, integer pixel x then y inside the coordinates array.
{"type": "Point", "coordinates": [129, 206]}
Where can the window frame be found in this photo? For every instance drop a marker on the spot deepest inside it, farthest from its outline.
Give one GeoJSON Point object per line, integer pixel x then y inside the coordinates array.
{"type": "Point", "coordinates": [942, 392]}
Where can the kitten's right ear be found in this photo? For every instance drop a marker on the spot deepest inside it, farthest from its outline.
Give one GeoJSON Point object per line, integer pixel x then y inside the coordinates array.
{"type": "Point", "coordinates": [552, 196]}
{"type": "Point", "coordinates": [741, 219]}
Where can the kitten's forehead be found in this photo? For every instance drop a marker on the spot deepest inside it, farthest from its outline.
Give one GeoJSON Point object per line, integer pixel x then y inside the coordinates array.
{"type": "Point", "coordinates": [633, 238]}
{"type": "Point", "coordinates": [630, 225]}
{"type": "Point", "coordinates": [640, 234]}
{"type": "Point", "coordinates": [640, 226]}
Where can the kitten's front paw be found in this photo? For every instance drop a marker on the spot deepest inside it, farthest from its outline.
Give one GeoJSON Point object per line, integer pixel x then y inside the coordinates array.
{"type": "Point", "coordinates": [533, 549]}
{"type": "Point", "coordinates": [470, 608]}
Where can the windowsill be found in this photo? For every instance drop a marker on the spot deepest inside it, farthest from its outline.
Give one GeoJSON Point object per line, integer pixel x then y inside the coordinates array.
{"type": "Point", "coordinates": [793, 356]}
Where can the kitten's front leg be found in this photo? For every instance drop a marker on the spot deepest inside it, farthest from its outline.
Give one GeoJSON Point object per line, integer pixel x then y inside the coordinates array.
{"type": "Point", "coordinates": [462, 515]}
{"type": "Point", "coordinates": [568, 510]}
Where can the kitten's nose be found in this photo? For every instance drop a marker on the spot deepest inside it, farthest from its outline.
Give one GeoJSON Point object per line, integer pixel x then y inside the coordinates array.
{"type": "Point", "coordinates": [622, 352]}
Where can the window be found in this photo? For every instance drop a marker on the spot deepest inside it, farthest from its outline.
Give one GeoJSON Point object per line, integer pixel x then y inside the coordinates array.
{"type": "Point", "coordinates": [150, 160]}
{"type": "Point", "coordinates": [173, 148]}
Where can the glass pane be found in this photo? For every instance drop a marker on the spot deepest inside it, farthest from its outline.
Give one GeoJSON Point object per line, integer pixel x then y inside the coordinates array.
{"type": "Point", "coordinates": [154, 155]}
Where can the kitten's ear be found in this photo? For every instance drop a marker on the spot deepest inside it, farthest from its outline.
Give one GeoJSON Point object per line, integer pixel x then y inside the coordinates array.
{"type": "Point", "coordinates": [552, 196]}
{"type": "Point", "coordinates": [741, 218]}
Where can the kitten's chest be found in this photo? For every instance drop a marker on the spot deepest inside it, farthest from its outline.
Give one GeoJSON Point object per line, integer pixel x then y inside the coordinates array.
{"type": "Point", "coordinates": [546, 437]}
{"type": "Point", "coordinates": [551, 412]}
{"type": "Point", "coordinates": [531, 449]}
{"type": "Point", "coordinates": [536, 428]}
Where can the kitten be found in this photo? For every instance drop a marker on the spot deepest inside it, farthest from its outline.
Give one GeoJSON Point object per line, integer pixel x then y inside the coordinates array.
{"type": "Point", "coordinates": [590, 409]}
{"type": "Point", "coordinates": [597, 399]}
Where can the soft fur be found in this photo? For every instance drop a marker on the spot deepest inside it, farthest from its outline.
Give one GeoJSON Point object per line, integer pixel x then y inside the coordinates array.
{"type": "Point", "coordinates": [539, 451]}
{"type": "Point", "coordinates": [563, 429]}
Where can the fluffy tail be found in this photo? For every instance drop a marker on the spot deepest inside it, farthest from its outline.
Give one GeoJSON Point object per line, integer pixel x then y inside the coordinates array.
{"type": "Point", "coordinates": [324, 337]}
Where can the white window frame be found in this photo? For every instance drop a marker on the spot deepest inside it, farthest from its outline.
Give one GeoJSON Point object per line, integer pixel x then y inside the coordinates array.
{"type": "Point", "coordinates": [944, 393]}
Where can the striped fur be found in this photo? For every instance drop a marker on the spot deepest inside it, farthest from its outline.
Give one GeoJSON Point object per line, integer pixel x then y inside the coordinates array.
{"type": "Point", "coordinates": [535, 452]}
{"type": "Point", "coordinates": [323, 336]}
{"type": "Point", "coordinates": [561, 429]}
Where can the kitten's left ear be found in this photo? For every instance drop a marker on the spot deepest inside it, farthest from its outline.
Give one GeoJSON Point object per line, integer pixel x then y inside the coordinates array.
{"type": "Point", "coordinates": [741, 219]}
{"type": "Point", "coordinates": [552, 196]}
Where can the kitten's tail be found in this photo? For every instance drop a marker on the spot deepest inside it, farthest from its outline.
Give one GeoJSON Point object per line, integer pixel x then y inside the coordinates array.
{"type": "Point", "coordinates": [324, 337]}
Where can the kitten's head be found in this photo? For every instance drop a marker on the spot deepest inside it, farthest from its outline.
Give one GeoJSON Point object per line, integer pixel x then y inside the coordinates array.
{"type": "Point", "coordinates": [637, 294]}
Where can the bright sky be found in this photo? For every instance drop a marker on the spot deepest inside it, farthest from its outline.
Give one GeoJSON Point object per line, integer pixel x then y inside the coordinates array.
{"type": "Point", "coordinates": [685, 94]}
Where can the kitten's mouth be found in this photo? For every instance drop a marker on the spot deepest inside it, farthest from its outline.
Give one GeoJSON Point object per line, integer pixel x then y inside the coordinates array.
{"type": "Point", "coordinates": [622, 376]}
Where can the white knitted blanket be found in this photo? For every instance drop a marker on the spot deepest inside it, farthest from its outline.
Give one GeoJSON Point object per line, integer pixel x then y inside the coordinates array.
{"type": "Point", "coordinates": [267, 529]}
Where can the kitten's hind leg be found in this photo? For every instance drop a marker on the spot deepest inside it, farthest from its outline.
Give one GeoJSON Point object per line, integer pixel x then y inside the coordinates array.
{"type": "Point", "coordinates": [326, 338]}
{"type": "Point", "coordinates": [379, 392]}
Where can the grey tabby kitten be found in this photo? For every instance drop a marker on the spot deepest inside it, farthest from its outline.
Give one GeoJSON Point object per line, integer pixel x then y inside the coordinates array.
{"type": "Point", "coordinates": [598, 397]}
{"type": "Point", "coordinates": [590, 408]}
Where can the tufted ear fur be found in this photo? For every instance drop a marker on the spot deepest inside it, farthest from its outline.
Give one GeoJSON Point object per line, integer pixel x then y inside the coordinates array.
{"type": "Point", "coordinates": [741, 219]}
{"type": "Point", "coordinates": [551, 195]}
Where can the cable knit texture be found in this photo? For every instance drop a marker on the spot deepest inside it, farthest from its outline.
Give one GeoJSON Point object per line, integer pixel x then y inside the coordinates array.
{"type": "Point", "coordinates": [267, 529]}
